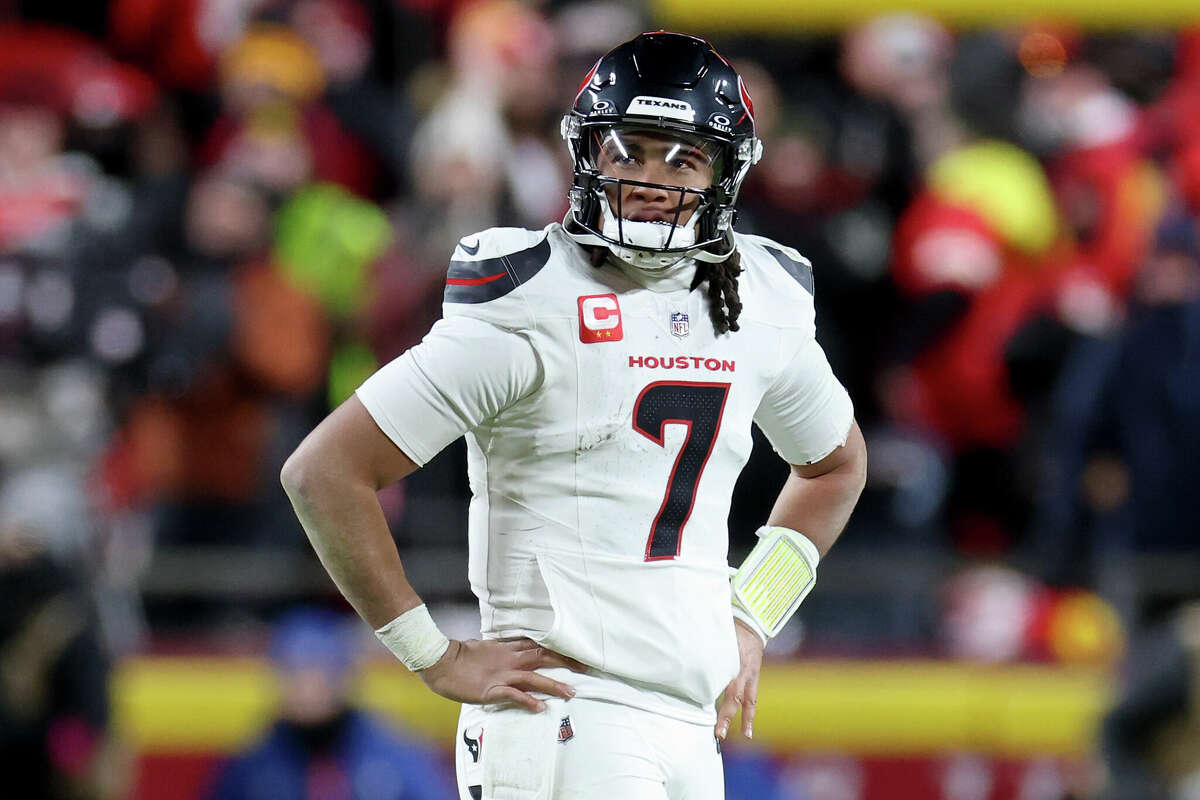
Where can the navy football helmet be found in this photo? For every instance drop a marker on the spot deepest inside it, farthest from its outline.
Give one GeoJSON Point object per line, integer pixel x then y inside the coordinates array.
{"type": "Point", "coordinates": [678, 89]}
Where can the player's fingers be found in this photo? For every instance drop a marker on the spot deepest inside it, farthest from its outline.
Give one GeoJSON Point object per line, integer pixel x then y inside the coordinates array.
{"type": "Point", "coordinates": [527, 660]}
{"type": "Point", "coordinates": [749, 706]}
{"type": "Point", "coordinates": [728, 710]}
{"type": "Point", "coordinates": [533, 682]}
{"type": "Point", "coordinates": [534, 655]}
{"type": "Point", "coordinates": [549, 658]}
{"type": "Point", "coordinates": [520, 645]}
{"type": "Point", "coordinates": [538, 657]}
{"type": "Point", "coordinates": [499, 694]}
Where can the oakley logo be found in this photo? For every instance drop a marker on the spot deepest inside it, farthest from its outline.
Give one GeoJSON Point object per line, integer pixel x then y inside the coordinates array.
{"type": "Point", "coordinates": [647, 106]}
{"type": "Point", "coordinates": [720, 122]}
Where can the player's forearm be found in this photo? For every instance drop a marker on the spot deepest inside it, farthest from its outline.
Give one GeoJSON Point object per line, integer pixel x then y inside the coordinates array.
{"type": "Point", "coordinates": [346, 526]}
{"type": "Point", "coordinates": [819, 506]}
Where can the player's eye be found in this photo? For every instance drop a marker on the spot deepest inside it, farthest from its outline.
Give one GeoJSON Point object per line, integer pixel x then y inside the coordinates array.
{"type": "Point", "coordinates": [621, 155]}
{"type": "Point", "coordinates": [683, 158]}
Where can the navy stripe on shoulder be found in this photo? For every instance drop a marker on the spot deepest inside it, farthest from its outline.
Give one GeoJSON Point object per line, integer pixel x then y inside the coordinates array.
{"type": "Point", "coordinates": [800, 270]}
{"type": "Point", "coordinates": [481, 281]}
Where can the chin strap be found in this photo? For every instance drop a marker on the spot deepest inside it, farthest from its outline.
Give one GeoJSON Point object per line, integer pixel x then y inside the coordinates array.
{"type": "Point", "coordinates": [645, 259]}
{"type": "Point", "coordinates": [716, 258]}
{"type": "Point", "coordinates": [648, 235]}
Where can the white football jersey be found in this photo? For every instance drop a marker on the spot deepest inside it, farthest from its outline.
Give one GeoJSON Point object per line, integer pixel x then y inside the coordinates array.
{"type": "Point", "coordinates": [606, 424]}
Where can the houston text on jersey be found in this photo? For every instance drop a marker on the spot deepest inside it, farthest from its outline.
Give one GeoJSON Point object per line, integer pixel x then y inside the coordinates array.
{"type": "Point", "coordinates": [683, 362]}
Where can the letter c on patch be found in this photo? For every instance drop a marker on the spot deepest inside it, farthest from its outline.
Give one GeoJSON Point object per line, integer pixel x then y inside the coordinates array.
{"type": "Point", "coordinates": [600, 313]}
{"type": "Point", "coordinates": [599, 319]}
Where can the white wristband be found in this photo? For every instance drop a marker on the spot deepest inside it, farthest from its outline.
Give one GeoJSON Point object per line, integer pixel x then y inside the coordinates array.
{"type": "Point", "coordinates": [414, 638]}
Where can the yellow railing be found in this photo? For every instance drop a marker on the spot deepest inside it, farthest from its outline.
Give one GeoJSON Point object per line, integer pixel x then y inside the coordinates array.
{"type": "Point", "coordinates": [869, 708]}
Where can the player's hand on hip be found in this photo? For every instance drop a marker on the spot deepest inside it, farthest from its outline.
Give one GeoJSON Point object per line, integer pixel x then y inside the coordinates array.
{"type": "Point", "coordinates": [742, 691]}
{"type": "Point", "coordinates": [498, 671]}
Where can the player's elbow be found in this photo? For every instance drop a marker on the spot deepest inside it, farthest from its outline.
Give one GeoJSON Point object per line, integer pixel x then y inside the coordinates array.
{"type": "Point", "coordinates": [844, 468]}
{"type": "Point", "coordinates": [298, 475]}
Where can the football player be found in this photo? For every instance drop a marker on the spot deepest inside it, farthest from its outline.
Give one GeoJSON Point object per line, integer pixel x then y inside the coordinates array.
{"type": "Point", "coordinates": [605, 372]}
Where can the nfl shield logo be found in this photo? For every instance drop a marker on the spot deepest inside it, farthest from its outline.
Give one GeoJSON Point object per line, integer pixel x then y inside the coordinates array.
{"type": "Point", "coordinates": [679, 324]}
{"type": "Point", "coordinates": [565, 732]}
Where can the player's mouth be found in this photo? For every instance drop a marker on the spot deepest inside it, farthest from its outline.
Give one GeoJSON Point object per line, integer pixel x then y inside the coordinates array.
{"type": "Point", "coordinates": [651, 216]}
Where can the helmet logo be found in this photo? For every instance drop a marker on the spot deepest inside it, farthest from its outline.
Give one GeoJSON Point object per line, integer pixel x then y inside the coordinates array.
{"type": "Point", "coordinates": [647, 106]}
{"type": "Point", "coordinates": [587, 79]}
{"type": "Point", "coordinates": [721, 122]}
{"type": "Point", "coordinates": [746, 101]}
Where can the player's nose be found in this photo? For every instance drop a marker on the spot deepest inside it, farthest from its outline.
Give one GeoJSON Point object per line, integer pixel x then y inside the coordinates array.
{"type": "Point", "coordinates": [649, 194]}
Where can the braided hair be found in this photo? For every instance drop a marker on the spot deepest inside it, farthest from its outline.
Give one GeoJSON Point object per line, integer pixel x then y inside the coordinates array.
{"type": "Point", "coordinates": [724, 304]}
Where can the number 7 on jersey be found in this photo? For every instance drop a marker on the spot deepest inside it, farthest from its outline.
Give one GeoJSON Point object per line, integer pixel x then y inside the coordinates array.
{"type": "Point", "coordinates": [699, 406]}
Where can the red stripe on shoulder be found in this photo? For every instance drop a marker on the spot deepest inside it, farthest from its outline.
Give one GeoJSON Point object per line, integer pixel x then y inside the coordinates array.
{"type": "Point", "coordinates": [474, 281]}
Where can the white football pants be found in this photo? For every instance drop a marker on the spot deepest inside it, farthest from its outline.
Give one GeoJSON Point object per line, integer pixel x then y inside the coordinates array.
{"type": "Point", "coordinates": [583, 749]}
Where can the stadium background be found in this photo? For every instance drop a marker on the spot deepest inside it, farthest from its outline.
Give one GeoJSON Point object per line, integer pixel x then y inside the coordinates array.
{"type": "Point", "coordinates": [218, 217]}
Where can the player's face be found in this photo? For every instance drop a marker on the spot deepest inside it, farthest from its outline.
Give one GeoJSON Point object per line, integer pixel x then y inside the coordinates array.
{"type": "Point", "coordinates": [659, 158]}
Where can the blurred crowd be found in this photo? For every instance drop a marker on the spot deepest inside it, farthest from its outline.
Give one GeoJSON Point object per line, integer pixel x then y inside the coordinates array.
{"type": "Point", "coordinates": [217, 218]}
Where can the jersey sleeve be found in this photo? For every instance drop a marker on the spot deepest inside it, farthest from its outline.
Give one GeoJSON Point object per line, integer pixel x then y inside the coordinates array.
{"type": "Point", "coordinates": [806, 413]}
{"type": "Point", "coordinates": [463, 372]}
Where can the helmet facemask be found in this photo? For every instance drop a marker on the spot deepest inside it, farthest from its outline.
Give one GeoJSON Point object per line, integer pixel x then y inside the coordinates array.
{"type": "Point", "coordinates": [650, 224]}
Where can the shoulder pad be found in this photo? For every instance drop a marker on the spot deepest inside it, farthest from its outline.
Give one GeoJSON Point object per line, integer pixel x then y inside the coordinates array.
{"type": "Point", "coordinates": [490, 264]}
{"type": "Point", "coordinates": [794, 264]}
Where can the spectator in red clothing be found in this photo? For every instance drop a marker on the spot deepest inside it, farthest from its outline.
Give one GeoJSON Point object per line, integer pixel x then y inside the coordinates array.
{"type": "Point", "coordinates": [165, 37]}
{"type": "Point", "coordinates": [1172, 125]}
{"type": "Point", "coordinates": [976, 254]}
{"type": "Point", "coordinates": [51, 81]}
{"type": "Point", "coordinates": [973, 251]}
{"type": "Point", "coordinates": [1109, 193]}
{"type": "Point", "coordinates": [274, 130]}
